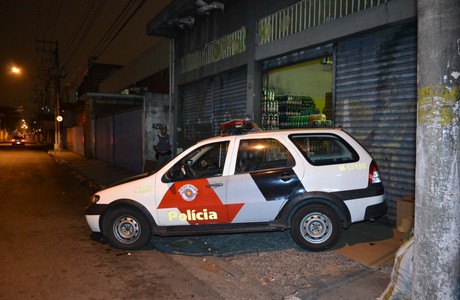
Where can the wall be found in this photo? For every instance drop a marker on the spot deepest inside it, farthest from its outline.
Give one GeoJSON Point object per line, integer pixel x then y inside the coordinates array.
{"type": "Point", "coordinates": [150, 62]}
{"type": "Point", "coordinates": [156, 113]}
{"type": "Point", "coordinates": [75, 140]}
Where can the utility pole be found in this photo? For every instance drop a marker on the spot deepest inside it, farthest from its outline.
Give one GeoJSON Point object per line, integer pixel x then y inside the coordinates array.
{"type": "Point", "coordinates": [53, 48]}
{"type": "Point", "coordinates": [436, 263]}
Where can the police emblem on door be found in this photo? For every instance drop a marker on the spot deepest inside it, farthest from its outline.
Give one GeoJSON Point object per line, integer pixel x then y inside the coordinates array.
{"type": "Point", "coordinates": [188, 192]}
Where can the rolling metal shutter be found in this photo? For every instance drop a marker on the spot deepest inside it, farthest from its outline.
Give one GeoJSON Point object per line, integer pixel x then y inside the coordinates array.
{"type": "Point", "coordinates": [209, 102]}
{"type": "Point", "coordinates": [196, 122]}
{"type": "Point", "coordinates": [229, 98]}
{"type": "Point", "coordinates": [376, 102]}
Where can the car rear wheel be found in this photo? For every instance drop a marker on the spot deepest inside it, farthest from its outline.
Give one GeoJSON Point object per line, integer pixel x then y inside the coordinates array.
{"type": "Point", "coordinates": [316, 227]}
{"type": "Point", "coordinates": [127, 229]}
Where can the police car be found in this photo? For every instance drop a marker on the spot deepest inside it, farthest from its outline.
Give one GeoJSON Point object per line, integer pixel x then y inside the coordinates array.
{"type": "Point", "coordinates": [314, 182]}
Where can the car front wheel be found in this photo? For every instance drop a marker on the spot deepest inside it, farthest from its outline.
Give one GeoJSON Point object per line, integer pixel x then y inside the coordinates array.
{"type": "Point", "coordinates": [127, 229]}
{"type": "Point", "coordinates": [316, 227]}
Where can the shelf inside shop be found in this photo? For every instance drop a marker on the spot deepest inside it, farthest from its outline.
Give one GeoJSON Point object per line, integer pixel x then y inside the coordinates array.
{"type": "Point", "coordinates": [290, 111]}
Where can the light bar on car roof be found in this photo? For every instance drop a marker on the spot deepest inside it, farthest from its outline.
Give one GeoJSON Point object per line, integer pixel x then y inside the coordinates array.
{"type": "Point", "coordinates": [238, 126]}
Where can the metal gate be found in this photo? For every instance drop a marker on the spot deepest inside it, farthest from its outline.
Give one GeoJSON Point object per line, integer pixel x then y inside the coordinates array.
{"type": "Point", "coordinates": [119, 139]}
{"type": "Point", "coordinates": [376, 101]}
{"type": "Point", "coordinates": [209, 102]}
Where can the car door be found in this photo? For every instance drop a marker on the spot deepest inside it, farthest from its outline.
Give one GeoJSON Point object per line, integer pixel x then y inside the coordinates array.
{"type": "Point", "coordinates": [196, 189]}
{"type": "Point", "coordinates": [263, 179]}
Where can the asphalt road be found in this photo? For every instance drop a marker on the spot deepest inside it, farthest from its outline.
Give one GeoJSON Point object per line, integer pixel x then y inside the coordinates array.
{"type": "Point", "coordinates": [45, 247]}
{"type": "Point", "coordinates": [47, 251]}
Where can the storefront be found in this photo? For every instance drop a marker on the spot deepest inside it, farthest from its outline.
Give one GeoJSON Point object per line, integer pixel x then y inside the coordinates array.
{"type": "Point", "coordinates": [310, 63]}
{"type": "Point", "coordinates": [207, 103]}
{"type": "Point", "coordinates": [297, 90]}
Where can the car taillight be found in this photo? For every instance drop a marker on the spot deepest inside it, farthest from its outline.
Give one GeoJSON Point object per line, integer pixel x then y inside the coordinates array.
{"type": "Point", "coordinates": [374, 176]}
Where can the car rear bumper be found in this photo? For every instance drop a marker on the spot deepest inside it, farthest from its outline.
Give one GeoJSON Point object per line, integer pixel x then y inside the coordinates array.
{"type": "Point", "coordinates": [376, 210]}
{"type": "Point", "coordinates": [360, 208]}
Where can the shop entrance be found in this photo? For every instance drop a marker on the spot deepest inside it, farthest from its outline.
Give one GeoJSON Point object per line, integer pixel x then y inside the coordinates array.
{"type": "Point", "coordinates": [298, 95]}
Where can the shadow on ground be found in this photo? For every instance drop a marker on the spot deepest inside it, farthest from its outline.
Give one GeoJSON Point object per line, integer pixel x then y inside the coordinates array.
{"type": "Point", "coordinates": [233, 244]}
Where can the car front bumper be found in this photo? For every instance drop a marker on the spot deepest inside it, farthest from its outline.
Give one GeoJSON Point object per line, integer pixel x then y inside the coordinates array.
{"type": "Point", "coordinates": [93, 222]}
{"type": "Point", "coordinates": [93, 214]}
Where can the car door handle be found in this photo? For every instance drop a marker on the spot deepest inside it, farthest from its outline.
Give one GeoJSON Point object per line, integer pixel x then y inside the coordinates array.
{"type": "Point", "coordinates": [214, 184]}
{"type": "Point", "coordinates": [287, 177]}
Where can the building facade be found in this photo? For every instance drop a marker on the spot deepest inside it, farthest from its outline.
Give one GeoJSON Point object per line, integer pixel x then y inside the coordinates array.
{"type": "Point", "coordinates": [289, 64]}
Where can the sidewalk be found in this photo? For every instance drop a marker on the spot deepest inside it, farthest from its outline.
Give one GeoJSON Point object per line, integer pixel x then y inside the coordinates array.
{"type": "Point", "coordinates": [95, 173]}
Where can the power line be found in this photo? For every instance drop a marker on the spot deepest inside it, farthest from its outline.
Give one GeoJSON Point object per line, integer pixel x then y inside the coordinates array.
{"type": "Point", "coordinates": [47, 19]}
{"type": "Point", "coordinates": [56, 19]}
{"type": "Point", "coordinates": [85, 32]}
{"type": "Point", "coordinates": [122, 27]}
{"type": "Point", "coordinates": [81, 23]}
{"type": "Point", "coordinates": [113, 26]}
{"type": "Point", "coordinates": [98, 54]}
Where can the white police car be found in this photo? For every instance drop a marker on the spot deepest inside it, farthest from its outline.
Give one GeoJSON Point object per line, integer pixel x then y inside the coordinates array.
{"type": "Point", "coordinates": [312, 181]}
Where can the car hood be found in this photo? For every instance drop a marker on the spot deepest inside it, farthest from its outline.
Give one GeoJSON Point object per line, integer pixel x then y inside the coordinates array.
{"type": "Point", "coordinates": [129, 179]}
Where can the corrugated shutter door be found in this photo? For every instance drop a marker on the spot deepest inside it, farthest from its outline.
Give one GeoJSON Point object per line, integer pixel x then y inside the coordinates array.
{"type": "Point", "coordinates": [196, 120]}
{"type": "Point", "coordinates": [209, 102]}
{"type": "Point", "coordinates": [230, 98]}
{"type": "Point", "coordinates": [376, 101]}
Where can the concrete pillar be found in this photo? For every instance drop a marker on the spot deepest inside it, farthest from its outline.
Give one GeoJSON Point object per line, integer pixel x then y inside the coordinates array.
{"type": "Point", "coordinates": [436, 266]}
{"type": "Point", "coordinates": [254, 74]}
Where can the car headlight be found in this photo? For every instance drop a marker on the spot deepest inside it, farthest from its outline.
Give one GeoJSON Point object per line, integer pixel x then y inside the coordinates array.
{"type": "Point", "coordinates": [94, 198]}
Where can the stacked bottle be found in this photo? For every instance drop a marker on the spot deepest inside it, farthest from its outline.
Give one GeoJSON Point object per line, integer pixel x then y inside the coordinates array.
{"type": "Point", "coordinates": [290, 111]}
{"type": "Point", "coordinates": [294, 110]}
{"type": "Point", "coordinates": [270, 117]}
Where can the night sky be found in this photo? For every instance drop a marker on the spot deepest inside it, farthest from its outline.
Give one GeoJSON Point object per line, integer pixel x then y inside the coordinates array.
{"type": "Point", "coordinates": [82, 29]}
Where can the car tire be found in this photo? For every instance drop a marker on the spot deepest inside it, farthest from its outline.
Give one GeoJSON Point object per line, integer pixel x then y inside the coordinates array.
{"type": "Point", "coordinates": [127, 229]}
{"type": "Point", "coordinates": [316, 227]}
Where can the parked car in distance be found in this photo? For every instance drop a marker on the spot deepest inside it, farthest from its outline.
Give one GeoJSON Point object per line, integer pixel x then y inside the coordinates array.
{"type": "Point", "coordinates": [313, 182]}
{"type": "Point", "coordinates": [18, 141]}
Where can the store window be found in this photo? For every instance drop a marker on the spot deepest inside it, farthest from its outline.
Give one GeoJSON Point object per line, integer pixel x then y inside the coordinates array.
{"type": "Point", "coordinates": [298, 95]}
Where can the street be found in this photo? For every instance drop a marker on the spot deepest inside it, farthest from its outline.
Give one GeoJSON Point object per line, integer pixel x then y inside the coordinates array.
{"type": "Point", "coordinates": [46, 249]}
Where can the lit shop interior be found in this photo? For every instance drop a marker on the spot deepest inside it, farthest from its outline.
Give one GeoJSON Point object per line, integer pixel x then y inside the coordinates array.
{"type": "Point", "coordinates": [298, 96]}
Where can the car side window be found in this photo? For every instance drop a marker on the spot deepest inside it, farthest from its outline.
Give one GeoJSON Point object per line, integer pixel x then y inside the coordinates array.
{"type": "Point", "coordinates": [203, 162]}
{"type": "Point", "coordinates": [262, 154]}
{"type": "Point", "coordinates": [324, 149]}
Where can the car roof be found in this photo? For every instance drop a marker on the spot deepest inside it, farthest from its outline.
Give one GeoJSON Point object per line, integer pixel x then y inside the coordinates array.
{"type": "Point", "coordinates": [272, 133]}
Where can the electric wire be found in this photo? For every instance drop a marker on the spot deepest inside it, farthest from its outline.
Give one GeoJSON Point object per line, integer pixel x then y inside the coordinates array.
{"type": "Point", "coordinates": [56, 19]}
{"type": "Point", "coordinates": [123, 26]}
{"type": "Point", "coordinates": [84, 34]}
{"type": "Point", "coordinates": [112, 27]}
{"type": "Point", "coordinates": [78, 28]}
{"type": "Point", "coordinates": [98, 54]}
{"type": "Point", "coordinates": [84, 27]}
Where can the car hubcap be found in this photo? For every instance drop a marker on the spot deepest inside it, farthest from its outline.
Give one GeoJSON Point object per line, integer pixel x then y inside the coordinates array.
{"type": "Point", "coordinates": [316, 228]}
{"type": "Point", "coordinates": [126, 229]}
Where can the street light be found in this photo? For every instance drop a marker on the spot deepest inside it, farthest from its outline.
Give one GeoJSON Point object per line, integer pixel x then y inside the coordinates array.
{"type": "Point", "coordinates": [16, 70]}
{"type": "Point", "coordinates": [57, 117]}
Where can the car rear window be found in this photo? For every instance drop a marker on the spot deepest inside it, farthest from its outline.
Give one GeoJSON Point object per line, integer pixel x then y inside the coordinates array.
{"type": "Point", "coordinates": [324, 149]}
